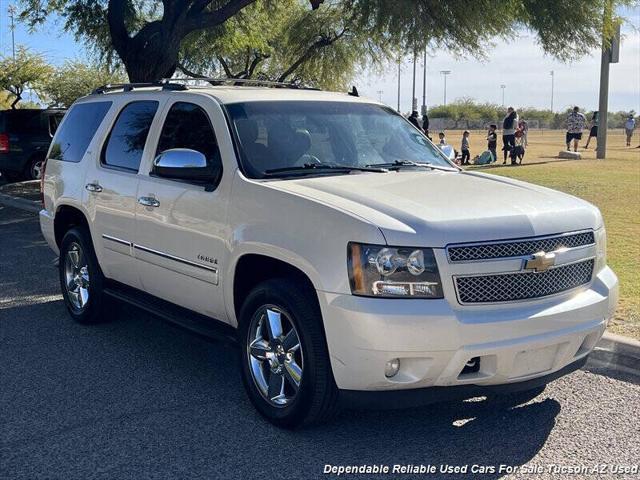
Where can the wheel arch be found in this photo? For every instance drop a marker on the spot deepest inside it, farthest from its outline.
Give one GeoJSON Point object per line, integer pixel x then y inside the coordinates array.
{"type": "Point", "coordinates": [66, 217]}
{"type": "Point", "coordinates": [251, 268]}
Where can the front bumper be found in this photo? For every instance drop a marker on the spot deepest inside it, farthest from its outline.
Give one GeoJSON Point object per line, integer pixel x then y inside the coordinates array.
{"type": "Point", "coordinates": [434, 339]}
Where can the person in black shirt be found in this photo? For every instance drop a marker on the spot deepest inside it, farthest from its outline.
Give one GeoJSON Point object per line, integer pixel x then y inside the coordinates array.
{"type": "Point", "coordinates": [492, 141]}
{"type": "Point", "coordinates": [413, 118]}
{"type": "Point", "coordinates": [425, 125]}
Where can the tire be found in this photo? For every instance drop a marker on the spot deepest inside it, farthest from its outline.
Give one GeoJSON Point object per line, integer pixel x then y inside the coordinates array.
{"type": "Point", "coordinates": [81, 281]}
{"type": "Point", "coordinates": [33, 170]}
{"type": "Point", "coordinates": [316, 398]}
{"type": "Point", "coordinates": [508, 400]}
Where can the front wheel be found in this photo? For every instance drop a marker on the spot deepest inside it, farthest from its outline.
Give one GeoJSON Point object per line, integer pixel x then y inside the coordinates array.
{"type": "Point", "coordinates": [34, 169]}
{"type": "Point", "coordinates": [286, 369]}
{"type": "Point", "coordinates": [81, 279]}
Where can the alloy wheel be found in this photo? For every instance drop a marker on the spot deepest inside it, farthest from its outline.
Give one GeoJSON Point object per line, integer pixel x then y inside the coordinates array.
{"type": "Point", "coordinates": [275, 356]}
{"type": "Point", "coordinates": [76, 271]}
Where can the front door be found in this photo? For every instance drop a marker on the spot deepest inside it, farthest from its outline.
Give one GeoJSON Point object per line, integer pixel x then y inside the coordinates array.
{"type": "Point", "coordinates": [180, 227]}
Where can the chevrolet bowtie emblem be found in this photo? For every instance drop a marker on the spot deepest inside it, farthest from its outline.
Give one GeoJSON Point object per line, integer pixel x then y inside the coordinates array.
{"type": "Point", "coordinates": [541, 262]}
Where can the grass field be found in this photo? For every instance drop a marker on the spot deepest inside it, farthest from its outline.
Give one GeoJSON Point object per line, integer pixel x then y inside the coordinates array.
{"type": "Point", "coordinates": [613, 185]}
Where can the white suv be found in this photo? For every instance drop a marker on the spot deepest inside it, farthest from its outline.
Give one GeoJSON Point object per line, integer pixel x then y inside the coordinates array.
{"type": "Point", "coordinates": [352, 261]}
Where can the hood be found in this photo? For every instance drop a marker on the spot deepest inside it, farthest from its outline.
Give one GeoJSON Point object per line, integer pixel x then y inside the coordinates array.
{"type": "Point", "coordinates": [434, 208]}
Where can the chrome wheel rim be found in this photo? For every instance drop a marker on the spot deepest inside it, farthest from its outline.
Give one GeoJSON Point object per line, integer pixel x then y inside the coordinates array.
{"type": "Point", "coordinates": [36, 170]}
{"type": "Point", "coordinates": [76, 274]}
{"type": "Point", "coordinates": [274, 354]}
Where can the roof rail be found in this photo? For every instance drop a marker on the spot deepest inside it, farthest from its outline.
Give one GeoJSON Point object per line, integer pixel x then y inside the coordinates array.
{"type": "Point", "coordinates": [241, 82]}
{"type": "Point", "coordinates": [127, 87]}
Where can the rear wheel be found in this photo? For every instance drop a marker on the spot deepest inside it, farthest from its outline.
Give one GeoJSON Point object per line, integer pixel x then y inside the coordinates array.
{"type": "Point", "coordinates": [81, 279]}
{"type": "Point", "coordinates": [34, 169]}
{"type": "Point", "coordinates": [285, 363]}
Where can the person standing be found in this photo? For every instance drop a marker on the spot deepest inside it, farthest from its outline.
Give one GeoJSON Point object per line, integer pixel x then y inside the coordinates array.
{"type": "Point", "coordinates": [576, 122]}
{"type": "Point", "coordinates": [629, 127]}
{"type": "Point", "coordinates": [524, 128]}
{"type": "Point", "coordinates": [425, 125]}
{"type": "Point", "coordinates": [413, 118]}
{"type": "Point", "coordinates": [464, 148]}
{"type": "Point", "coordinates": [509, 125]}
{"type": "Point", "coordinates": [492, 141]}
{"type": "Point", "coordinates": [594, 129]}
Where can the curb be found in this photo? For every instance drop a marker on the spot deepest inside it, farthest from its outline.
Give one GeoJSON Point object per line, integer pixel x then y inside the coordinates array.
{"type": "Point", "coordinates": [618, 353]}
{"type": "Point", "coordinates": [20, 203]}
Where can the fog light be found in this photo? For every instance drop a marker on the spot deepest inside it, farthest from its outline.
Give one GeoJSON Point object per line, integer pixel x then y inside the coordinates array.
{"type": "Point", "coordinates": [392, 367]}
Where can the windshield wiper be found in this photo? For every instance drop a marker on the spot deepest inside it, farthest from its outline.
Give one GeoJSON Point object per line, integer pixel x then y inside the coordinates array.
{"type": "Point", "coordinates": [398, 164]}
{"type": "Point", "coordinates": [333, 167]}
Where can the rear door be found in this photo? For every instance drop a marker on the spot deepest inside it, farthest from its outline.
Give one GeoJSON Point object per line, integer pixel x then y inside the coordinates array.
{"type": "Point", "coordinates": [111, 187]}
{"type": "Point", "coordinates": [180, 240]}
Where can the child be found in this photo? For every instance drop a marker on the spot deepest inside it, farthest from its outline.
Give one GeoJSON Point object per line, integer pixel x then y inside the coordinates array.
{"type": "Point", "coordinates": [492, 141]}
{"type": "Point", "coordinates": [466, 155]}
{"type": "Point", "coordinates": [443, 141]}
{"type": "Point", "coordinates": [517, 152]}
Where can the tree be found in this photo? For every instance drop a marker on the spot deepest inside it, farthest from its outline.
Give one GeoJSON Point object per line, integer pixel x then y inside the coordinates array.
{"type": "Point", "coordinates": [76, 79]}
{"type": "Point", "coordinates": [284, 42]}
{"type": "Point", "coordinates": [28, 70]}
{"type": "Point", "coordinates": [146, 35]}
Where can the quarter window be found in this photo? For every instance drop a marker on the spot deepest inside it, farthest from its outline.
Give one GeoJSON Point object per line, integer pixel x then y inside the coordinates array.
{"type": "Point", "coordinates": [125, 144]}
{"type": "Point", "coordinates": [188, 126]}
{"type": "Point", "coordinates": [79, 127]}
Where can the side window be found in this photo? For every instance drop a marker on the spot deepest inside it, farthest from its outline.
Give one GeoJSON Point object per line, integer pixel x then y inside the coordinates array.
{"type": "Point", "coordinates": [188, 126]}
{"type": "Point", "coordinates": [127, 138]}
{"type": "Point", "coordinates": [79, 127]}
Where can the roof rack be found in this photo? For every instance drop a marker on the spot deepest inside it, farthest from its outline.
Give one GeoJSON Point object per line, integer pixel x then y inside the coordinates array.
{"type": "Point", "coordinates": [241, 82]}
{"type": "Point", "coordinates": [128, 87]}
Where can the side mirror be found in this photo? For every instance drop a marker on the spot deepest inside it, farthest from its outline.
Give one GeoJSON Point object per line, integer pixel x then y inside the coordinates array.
{"type": "Point", "coordinates": [184, 164]}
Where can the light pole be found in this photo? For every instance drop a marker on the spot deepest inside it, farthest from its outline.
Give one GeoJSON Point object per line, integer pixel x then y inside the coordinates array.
{"type": "Point", "coordinates": [424, 85]}
{"type": "Point", "coordinates": [444, 73]}
{"type": "Point", "coordinates": [414, 100]}
{"type": "Point", "coordinates": [503, 87]}
{"type": "Point", "coordinates": [12, 12]}
{"type": "Point", "coordinates": [552, 77]}
{"type": "Point", "coordinates": [399, 68]}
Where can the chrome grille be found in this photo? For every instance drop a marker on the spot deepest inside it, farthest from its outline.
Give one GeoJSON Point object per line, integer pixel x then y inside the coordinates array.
{"type": "Point", "coordinates": [519, 248]}
{"type": "Point", "coordinates": [511, 287]}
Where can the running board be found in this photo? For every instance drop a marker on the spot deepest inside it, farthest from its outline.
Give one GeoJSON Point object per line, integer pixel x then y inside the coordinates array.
{"type": "Point", "coordinates": [199, 324]}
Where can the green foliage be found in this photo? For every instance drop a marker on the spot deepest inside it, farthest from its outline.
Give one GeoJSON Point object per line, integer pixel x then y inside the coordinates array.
{"type": "Point", "coordinates": [324, 46]}
{"type": "Point", "coordinates": [285, 41]}
{"type": "Point", "coordinates": [76, 79]}
{"type": "Point", "coordinates": [28, 70]}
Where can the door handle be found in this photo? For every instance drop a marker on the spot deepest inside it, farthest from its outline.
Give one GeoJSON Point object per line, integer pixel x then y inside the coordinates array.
{"type": "Point", "coordinates": [149, 202]}
{"type": "Point", "coordinates": [93, 187]}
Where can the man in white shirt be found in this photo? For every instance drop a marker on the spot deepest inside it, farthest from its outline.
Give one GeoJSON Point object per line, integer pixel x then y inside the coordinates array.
{"type": "Point", "coordinates": [629, 127]}
{"type": "Point", "coordinates": [576, 122]}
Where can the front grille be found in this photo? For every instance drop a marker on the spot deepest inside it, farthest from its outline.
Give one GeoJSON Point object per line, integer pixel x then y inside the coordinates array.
{"type": "Point", "coordinates": [511, 287]}
{"type": "Point", "coordinates": [519, 248]}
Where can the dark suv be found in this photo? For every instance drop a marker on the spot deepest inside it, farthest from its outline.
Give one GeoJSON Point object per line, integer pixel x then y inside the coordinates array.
{"type": "Point", "coordinates": [25, 135]}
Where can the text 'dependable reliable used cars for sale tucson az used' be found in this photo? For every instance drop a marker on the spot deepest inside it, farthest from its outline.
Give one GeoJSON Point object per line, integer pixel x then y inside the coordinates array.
{"type": "Point", "coordinates": [350, 260]}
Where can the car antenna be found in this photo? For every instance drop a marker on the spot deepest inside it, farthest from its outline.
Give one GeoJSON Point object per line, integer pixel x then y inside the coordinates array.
{"type": "Point", "coordinates": [354, 91]}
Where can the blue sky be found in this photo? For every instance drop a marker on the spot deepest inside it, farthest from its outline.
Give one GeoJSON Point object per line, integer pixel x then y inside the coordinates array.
{"type": "Point", "coordinates": [522, 66]}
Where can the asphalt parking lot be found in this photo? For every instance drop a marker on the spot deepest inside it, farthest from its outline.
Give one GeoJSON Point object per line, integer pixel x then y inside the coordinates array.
{"type": "Point", "coordinates": [139, 398]}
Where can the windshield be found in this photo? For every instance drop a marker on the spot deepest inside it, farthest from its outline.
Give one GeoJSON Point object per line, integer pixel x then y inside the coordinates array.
{"type": "Point", "coordinates": [291, 134]}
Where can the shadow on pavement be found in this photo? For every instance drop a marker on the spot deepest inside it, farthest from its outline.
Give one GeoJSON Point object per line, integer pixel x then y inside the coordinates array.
{"type": "Point", "coordinates": [136, 396]}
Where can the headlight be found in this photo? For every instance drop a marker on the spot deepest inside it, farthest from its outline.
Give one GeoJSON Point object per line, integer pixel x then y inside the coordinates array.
{"type": "Point", "coordinates": [601, 249]}
{"type": "Point", "coordinates": [381, 271]}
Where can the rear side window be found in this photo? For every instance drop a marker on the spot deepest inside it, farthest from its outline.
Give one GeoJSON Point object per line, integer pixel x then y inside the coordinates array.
{"type": "Point", "coordinates": [80, 125]}
{"type": "Point", "coordinates": [187, 126]}
{"type": "Point", "coordinates": [125, 144]}
{"type": "Point", "coordinates": [24, 121]}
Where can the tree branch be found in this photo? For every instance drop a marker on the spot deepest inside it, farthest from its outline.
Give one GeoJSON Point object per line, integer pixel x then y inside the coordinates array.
{"type": "Point", "coordinates": [117, 28]}
{"type": "Point", "coordinates": [309, 52]}
{"type": "Point", "coordinates": [197, 19]}
{"type": "Point", "coordinates": [188, 72]}
{"type": "Point", "coordinates": [225, 67]}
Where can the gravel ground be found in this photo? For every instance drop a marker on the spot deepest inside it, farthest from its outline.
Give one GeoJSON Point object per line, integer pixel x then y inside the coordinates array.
{"type": "Point", "coordinates": [139, 398]}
